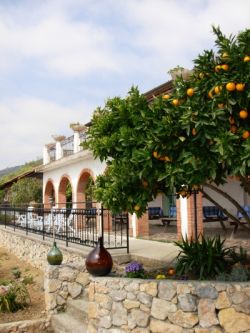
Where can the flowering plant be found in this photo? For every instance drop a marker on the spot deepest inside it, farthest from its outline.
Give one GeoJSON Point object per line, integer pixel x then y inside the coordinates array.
{"type": "Point", "coordinates": [134, 270]}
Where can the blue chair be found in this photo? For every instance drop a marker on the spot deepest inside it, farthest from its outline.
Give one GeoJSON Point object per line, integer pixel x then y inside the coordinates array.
{"type": "Point", "coordinates": [246, 209]}
{"type": "Point", "coordinates": [213, 214]}
{"type": "Point", "coordinates": [155, 213]}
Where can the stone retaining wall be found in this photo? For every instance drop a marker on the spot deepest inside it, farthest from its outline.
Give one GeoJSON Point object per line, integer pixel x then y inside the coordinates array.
{"type": "Point", "coordinates": [32, 250]}
{"type": "Point", "coordinates": [121, 305]}
{"type": "Point", "coordinates": [63, 282]}
{"type": "Point", "coordinates": [26, 326]}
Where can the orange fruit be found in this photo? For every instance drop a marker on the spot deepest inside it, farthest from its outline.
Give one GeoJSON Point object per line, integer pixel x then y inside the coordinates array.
{"type": "Point", "coordinates": [167, 159]}
{"type": "Point", "coordinates": [233, 129]}
{"type": "Point", "coordinates": [144, 183]}
{"type": "Point", "coordinates": [171, 271]}
{"type": "Point", "coordinates": [194, 132]}
{"type": "Point", "coordinates": [230, 86]}
{"type": "Point", "coordinates": [246, 58]}
{"type": "Point", "coordinates": [217, 68]}
{"type": "Point", "coordinates": [201, 75]}
{"type": "Point", "coordinates": [190, 92]}
{"type": "Point", "coordinates": [243, 114]}
{"type": "Point", "coordinates": [224, 55]}
{"type": "Point", "coordinates": [210, 94]}
{"type": "Point", "coordinates": [175, 102]}
{"type": "Point", "coordinates": [221, 106]}
{"type": "Point", "coordinates": [166, 96]}
{"type": "Point", "coordinates": [231, 120]}
{"type": "Point", "coordinates": [217, 89]}
{"type": "Point", "coordinates": [155, 154]}
{"type": "Point", "coordinates": [225, 67]}
{"type": "Point", "coordinates": [137, 207]}
{"type": "Point", "coordinates": [240, 86]}
{"type": "Point", "coordinates": [246, 135]}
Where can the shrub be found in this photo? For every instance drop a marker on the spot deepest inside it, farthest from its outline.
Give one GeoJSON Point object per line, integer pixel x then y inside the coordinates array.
{"type": "Point", "coordinates": [203, 258]}
{"type": "Point", "coordinates": [238, 273]}
{"type": "Point", "coordinates": [135, 270]}
{"type": "Point", "coordinates": [13, 297]}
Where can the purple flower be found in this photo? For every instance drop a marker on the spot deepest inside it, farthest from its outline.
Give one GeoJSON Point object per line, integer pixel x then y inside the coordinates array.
{"type": "Point", "coordinates": [134, 267]}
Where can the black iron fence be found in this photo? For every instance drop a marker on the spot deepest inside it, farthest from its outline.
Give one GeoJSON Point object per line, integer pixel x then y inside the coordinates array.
{"type": "Point", "coordinates": [73, 225]}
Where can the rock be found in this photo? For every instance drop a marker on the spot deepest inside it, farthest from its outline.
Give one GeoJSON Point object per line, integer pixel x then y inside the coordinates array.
{"type": "Point", "coordinates": [92, 310]}
{"type": "Point", "coordinates": [131, 296]}
{"type": "Point", "coordinates": [243, 307]}
{"type": "Point", "coordinates": [74, 289]}
{"type": "Point", "coordinates": [132, 286]}
{"type": "Point", "coordinates": [83, 279]}
{"type": "Point", "coordinates": [52, 285]}
{"type": "Point", "coordinates": [140, 317]}
{"type": "Point", "coordinates": [234, 322]}
{"type": "Point", "coordinates": [222, 301]}
{"type": "Point", "coordinates": [187, 302]}
{"type": "Point", "coordinates": [105, 322]}
{"type": "Point", "coordinates": [101, 289]}
{"type": "Point", "coordinates": [118, 295]}
{"type": "Point", "coordinates": [183, 288]}
{"type": "Point", "coordinates": [158, 326]}
{"type": "Point", "coordinates": [206, 313]}
{"type": "Point", "coordinates": [104, 301]}
{"type": "Point", "coordinates": [145, 308]}
{"type": "Point", "coordinates": [207, 292]}
{"type": "Point", "coordinates": [91, 290]}
{"type": "Point", "coordinates": [144, 298]}
{"type": "Point", "coordinates": [52, 272]}
{"type": "Point", "coordinates": [161, 308]}
{"type": "Point", "coordinates": [128, 304]}
{"type": "Point", "coordinates": [119, 314]}
{"type": "Point", "coordinates": [50, 301]}
{"type": "Point", "coordinates": [183, 319]}
{"type": "Point", "coordinates": [166, 291]}
{"type": "Point", "coordinates": [140, 330]}
{"type": "Point", "coordinates": [238, 297]}
{"type": "Point", "coordinates": [67, 274]}
{"type": "Point", "coordinates": [149, 288]}
{"type": "Point", "coordinates": [60, 300]}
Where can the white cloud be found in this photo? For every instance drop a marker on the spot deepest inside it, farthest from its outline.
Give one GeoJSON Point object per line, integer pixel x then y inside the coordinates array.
{"type": "Point", "coordinates": [28, 123]}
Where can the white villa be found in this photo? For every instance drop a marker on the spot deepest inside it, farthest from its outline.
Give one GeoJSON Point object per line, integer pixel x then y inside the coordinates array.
{"type": "Point", "coordinates": [64, 161]}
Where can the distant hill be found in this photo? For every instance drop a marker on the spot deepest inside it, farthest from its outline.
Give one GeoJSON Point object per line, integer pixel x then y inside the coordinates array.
{"type": "Point", "coordinates": [9, 173]}
{"type": "Point", "coordinates": [6, 171]}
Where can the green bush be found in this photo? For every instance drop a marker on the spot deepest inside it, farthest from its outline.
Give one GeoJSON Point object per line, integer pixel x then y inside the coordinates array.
{"type": "Point", "coordinates": [13, 297]}
{"type": "Point", "coordinates": [202, 259]}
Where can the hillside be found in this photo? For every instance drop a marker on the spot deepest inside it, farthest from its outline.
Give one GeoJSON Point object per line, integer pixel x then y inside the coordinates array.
{"type": "Point", "coordinates": [9, 173]}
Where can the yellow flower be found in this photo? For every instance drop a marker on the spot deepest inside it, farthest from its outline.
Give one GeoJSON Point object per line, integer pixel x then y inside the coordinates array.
{"type": "Point", "coordinates": [160, 276]}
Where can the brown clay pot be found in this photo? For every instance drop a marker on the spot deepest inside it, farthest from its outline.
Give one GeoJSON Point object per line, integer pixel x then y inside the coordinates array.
{"type": "Point", "coordinates": [99, 261]}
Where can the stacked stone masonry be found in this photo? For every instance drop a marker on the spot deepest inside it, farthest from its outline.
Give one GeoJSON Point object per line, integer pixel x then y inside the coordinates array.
{"type": "Point", "coordinates": [120, 305]}
{"type": "Point", "coordinates": [27, 326]}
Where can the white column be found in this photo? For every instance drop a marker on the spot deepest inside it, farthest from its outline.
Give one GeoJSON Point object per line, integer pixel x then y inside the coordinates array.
{"type": "Point", "coordinates": [134, 222]}
{"type": "Point", "coordinates": [77, 142]}
{"type": "Point", "coordinates": [46, 157]}
{"type": "Point", "coordinates": [184, 217]}
{"type": "Point", "coordinates": [59, 150]}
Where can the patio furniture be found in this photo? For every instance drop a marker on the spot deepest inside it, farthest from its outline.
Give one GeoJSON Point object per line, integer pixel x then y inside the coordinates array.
{"type": "Point", "coordinates": [154, 213]}
{"type": "Point", "coordinates": [172, 215]}
{"type": "Point", "coordinates": [240, 217]}
{"type": "Point", "coordinates": [214, 214]}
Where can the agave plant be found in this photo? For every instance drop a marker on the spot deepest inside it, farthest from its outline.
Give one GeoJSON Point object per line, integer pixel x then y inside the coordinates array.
{"type": "Point", "coordinates": [204, 258]}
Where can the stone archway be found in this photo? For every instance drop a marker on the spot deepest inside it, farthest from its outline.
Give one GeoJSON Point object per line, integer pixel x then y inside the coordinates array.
{"type": "Point", "coordinates": [49, 194]}
{"type": "Point", "coordinates": [83, 181]}
{"type": "Point", "coordinates": [65, 183]}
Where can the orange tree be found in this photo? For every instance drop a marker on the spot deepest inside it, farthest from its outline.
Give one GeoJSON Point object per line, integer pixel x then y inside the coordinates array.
{"type": "Point", "coordinates": [198, 135]}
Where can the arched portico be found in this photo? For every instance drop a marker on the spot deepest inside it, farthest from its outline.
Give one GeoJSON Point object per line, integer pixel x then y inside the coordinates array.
{"type": "Point", "coordinates": [81, 187]}
{"type": "Point", "coordinates": [49, 194]}
{"type": "Point", "coordinates": [64, 184]}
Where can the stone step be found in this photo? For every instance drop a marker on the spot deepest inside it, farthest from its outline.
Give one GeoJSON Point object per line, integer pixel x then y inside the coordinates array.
{"type": "Point", "coordinates": [78, 308]}
{"type": "Point", "coordinates": [66, 323]}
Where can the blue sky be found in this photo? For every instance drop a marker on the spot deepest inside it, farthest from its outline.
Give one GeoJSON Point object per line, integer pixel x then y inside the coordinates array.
{"type": "Point", "coordinates": [60, 59]}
